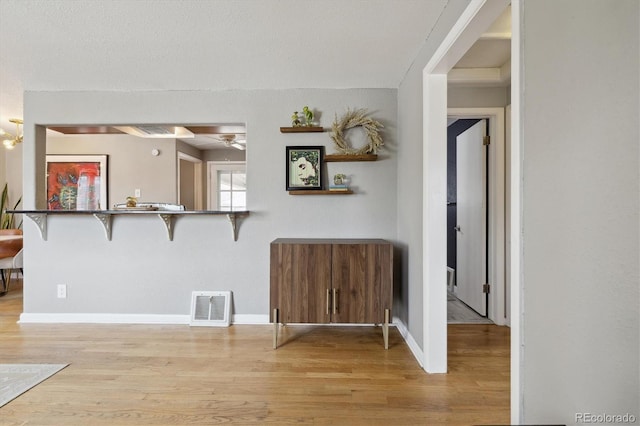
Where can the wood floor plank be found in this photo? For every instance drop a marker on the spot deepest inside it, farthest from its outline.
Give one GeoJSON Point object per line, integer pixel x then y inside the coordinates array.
{"type": "Point", "coordinates": [181, 375]}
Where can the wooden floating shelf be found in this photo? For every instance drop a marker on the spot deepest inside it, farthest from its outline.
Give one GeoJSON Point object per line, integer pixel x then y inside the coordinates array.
{"type": "Point", "coordinates": [319, 192]}
{"type": "Point", "coordinates": [349, 157]}
{"type": "Point", "coordinates": [301, 129]}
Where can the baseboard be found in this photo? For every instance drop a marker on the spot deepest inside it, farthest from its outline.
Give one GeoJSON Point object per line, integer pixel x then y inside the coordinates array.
{"type": "Point", "coordinates": [248, 319]}
{"type": "Point", "coordinates": [408, 338]}
{"type": "Point", "coordinates": [51, 318]}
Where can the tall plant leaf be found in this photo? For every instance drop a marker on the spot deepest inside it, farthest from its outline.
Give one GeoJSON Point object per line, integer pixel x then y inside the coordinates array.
{"type": "Point", "coordinates": [7, 220]}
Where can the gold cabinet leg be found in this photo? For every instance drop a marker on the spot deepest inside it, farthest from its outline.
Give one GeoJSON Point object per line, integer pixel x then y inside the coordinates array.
{"type": "Point", "coordinates": [275, 328]}
{"type": "Point", "coordinates": [385, 329]}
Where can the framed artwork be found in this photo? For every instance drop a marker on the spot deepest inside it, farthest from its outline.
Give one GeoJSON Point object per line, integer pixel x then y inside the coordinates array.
{"type": "Point", "coordinates": [77, 182]}
{"type": "Point", "coordinates": [304, 167]}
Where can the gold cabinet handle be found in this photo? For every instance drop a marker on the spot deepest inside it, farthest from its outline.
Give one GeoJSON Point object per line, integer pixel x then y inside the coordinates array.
{"type": "Point", "coordinates": [335, 301]}
{"type": "Point", "coordinates": [328, 300]}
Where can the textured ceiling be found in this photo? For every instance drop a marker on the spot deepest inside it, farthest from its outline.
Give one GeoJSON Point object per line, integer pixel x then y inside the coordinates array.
{"type": "Point", "coordinates": [206, 44]}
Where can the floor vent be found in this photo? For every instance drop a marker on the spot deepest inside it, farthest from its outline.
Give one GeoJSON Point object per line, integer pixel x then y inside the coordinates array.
{"type": "Point", "coordinates": [210, 308]}
{"type": "Point", "coordinates": [451, 279]}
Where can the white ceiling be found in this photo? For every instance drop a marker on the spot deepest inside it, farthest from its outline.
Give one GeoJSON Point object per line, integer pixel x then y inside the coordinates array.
{"type": "Point", "coordinates": [206, 44]}
{"type": "Point", "coordinates": [135, 45]}
{"type": "Point", "coordinates": [488, 61]}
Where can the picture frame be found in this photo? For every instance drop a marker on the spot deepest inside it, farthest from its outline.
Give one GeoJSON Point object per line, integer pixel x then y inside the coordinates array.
{"type": "Point", "coordinates": [304, 167]}
{"type": "Point", "coordinates": [77, 182]}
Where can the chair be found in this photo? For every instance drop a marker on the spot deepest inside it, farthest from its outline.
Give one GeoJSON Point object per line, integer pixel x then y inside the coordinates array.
{"type": "Point", "coordinates": [11, 254]}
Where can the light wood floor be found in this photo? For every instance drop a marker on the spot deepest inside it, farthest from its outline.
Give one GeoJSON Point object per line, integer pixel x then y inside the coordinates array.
{"type": "Point", "coordinates": [178, 375]}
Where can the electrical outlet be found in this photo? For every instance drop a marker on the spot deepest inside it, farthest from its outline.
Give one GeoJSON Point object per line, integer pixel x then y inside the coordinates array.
{"type": "Point", "coordinates": [62, 291]}
{"type": "Point", "coordinates": [136, 193]}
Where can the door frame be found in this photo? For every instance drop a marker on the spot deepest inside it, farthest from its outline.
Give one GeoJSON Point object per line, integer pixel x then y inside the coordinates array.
{"type": "Point", "coordinates": [212, 179]}
{"type": "Point", "coordinates": [496, 205]}
{"type": "Point", "coordinates": [478, 16]}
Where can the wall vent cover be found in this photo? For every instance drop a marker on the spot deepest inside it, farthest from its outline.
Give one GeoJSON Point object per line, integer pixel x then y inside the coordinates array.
{"type": "Point", "coordinates": [451, 279]}
{"type": "Point", "coordinates": [210, 308]}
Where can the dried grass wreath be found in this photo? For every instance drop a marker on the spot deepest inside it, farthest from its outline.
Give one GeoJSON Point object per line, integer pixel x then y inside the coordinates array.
{"type": "Point", "coordinates": [356, 118]}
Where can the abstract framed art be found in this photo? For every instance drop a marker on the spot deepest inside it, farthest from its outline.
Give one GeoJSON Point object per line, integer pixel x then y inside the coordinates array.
{"type": "Point", "coordinates": [77, 182]}
{"type": "Point", "coordinates": [304, 167]}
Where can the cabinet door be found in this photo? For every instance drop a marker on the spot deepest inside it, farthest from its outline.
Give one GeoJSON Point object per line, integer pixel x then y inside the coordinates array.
{"type": "Point", "coordinates": [300, 280]}
{"type": "Point", "coordinates": [362, 276]}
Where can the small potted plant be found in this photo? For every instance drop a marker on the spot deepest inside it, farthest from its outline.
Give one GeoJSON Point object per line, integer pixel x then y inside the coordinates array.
{"type": "Point", "coordinates": [338, 179]}
{"type": "Point", "coordinates": [308, 116]}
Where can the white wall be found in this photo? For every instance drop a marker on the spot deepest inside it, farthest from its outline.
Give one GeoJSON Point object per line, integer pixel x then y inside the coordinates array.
{"type": "Point", "coordinates": [140, 271]}
{"type": "Point", "coordinates": [580, 209]}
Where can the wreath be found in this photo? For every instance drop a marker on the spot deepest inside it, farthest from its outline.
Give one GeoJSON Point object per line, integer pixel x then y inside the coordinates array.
{"type": "Point", "coordinates": [356, 118]}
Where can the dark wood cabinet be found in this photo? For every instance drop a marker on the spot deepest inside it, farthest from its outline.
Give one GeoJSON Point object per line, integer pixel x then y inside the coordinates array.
{"type": "Point", "coordinates": [331, 281]}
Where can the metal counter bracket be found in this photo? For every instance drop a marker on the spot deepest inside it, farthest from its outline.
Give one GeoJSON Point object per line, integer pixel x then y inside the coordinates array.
{"type": "Point", "coordinates": [105, 217]}
{"type": "Point", "coordinates": [168, 222]}
{"type": "Point", "coordinates": [105, 220]}
{"type": "Point", "coordinates": [40, 219]}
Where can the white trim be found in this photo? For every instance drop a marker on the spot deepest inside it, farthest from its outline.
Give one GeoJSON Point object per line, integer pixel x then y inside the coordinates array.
{"type": "Point", "coordinates": [187, 157]}
{"type": "Point", "coordinates": [408, 338]}
{"type": "Point", "coordinates": [434, 223]}
{"type": "Point", "coordinates": [212, 178]}
{"type": "Point", "coordinates": [248, 319]}
{"type": "Point", "coordinates": [88, 318]}
{"type": "Point", "coordinates": [517, 278]}
{"type": "Point", "coordinates": [51, 318]}
{"type": "Point", "coordinates": [496, 202]}
{"type": "Point", "coordinates": [475, 76]}
{"type": "Point", "coordinates": [472, 24]}
{"type": "Point", "coordinates": [496, 36]}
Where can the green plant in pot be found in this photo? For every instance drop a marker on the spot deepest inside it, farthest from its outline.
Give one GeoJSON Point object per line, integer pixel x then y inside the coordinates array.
{"type": "Point", "coordinates": [7, 220]}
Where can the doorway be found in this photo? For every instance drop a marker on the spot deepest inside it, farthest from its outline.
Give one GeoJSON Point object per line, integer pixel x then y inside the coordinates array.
{"type": "Point", "coordinates": [189, 181]}
{"type": "Point", "coordinates": [494, 187]}
{"type": "Point", "coordinates": [467, 224]}
{"type": "Point", "coordinates": [471, 24]}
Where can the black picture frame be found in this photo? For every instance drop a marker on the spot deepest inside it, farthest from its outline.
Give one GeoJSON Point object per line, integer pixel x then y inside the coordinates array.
{"type": "Point", "coordinates": [304, 167]}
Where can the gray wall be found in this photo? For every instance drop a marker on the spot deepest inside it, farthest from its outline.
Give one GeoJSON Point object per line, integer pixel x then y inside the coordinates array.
{"type": "Point", "coordinates": [187, 193]}
{"type": "Point", "coordinates": [3, 166]}
{"type": "Point", "coordinates": [130, 163]}
{"type": "Point", "coordinates": [140, 271]}
{"type": "Point", "coordinates": [225, 154]}
{"type": "Point", "coordinates": [581, 204]}
{"type": "Point", "coordinates": [410, 213]}
{"type": "Point", "coordinates": [477, 97]}
{"type": "Point", "coordinates": [185, 148]}
{"type": "Point", "coordinates": [12, 172]}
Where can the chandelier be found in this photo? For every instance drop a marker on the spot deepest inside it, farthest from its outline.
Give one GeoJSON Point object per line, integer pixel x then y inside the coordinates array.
{"type": "Point", "coordinates": [12, 139]}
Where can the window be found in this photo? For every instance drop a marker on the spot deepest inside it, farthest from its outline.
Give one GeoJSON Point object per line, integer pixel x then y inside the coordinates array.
{"type": "Point", "coordinates": [228, 186]}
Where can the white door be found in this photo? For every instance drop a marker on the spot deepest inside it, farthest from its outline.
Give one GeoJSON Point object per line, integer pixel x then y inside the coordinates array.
{"type": "Point", "coordinates": [471, 217]}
